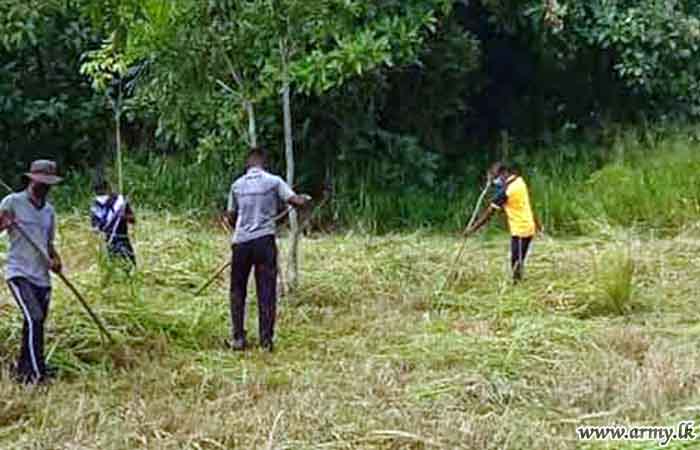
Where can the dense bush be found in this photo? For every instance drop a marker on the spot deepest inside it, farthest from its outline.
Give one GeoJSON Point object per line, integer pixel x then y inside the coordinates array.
{"type": "Point", "coordinates": [404, 142]}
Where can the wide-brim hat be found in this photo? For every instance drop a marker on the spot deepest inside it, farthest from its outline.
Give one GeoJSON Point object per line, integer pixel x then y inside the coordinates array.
{"type": "Point", "coordinates": [43, 171]}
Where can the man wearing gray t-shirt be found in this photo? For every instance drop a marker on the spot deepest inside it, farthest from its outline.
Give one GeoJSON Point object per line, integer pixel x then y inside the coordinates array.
{"type": "Point", "coordinates": [27, 270]}
{"type": "Point", "coordinates": [252, 206]}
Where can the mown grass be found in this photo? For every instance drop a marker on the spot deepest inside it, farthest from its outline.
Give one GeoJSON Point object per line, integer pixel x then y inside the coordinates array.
{"type": "Point", "coordinates": [374, 351]}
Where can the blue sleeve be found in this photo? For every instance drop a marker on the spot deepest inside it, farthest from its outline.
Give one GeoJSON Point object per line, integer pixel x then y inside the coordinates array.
{"type": "Point", "coordinates": [500, 199]}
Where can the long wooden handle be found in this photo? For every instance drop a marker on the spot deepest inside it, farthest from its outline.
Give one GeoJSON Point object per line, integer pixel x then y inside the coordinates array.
{"type": "Point", "coordinates": [212, 279]}
{"type": "Point", "coordinates": [230, 262]}
{"type": "Point", "coordinates": [70, 286]}
{"type": "Point", "coordinates": [478, 206]}
{"type": "Point", "coordinates": [89, 310]}
{"type": "Point", "coordinates": [62, 277]}
{"type": "Point", "coordinates": [464, 242]}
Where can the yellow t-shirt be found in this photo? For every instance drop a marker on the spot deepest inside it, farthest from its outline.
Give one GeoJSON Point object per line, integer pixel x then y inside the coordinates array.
{"type": "Point", "coordinates": [514, 198]}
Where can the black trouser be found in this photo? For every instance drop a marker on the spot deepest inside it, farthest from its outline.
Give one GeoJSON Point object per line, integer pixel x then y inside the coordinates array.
{"type": "Point", "coordinates": [519, 246]}
{"type": "Point", "coordinates": [33, 302]}
{"type": "Point", "coordinates": [262, 254]}
{"type": "Point", "coordinates": [120, 247]}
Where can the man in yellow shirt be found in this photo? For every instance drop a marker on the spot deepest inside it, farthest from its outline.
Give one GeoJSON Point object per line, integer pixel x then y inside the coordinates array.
{"type": "Point", "coordinates": [512, 197]}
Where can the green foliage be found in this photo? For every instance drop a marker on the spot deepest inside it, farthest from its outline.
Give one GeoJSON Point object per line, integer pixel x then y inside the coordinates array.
{"type": "Point", "coordinates": [391, 183]}
{"type": "Point", "coordinates": [249, 50]}
{"type": "Point", "coordinates": [19, 23]}
{"type": "Point", "coordinates": [654, 45]}
{"type": "Point", "coordinates": [177, 183]}
{"type": "Point", "coordinates": [364, 36]}
{"type": "Point", "coordinates": [388, 181]}
{"type": "Point", "coordinates": [46, 108]}
{"type": "Point", "coordinates": [391, 98]}
{"type": "Point", "coordinates": [104, 65]}
{"type": "Point", "coordinates": [648, 184]}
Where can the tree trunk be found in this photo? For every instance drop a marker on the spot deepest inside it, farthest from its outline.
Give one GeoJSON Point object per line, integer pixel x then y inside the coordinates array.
{"type": "Point", "coordinates": [252, 129]}
{"type": "Point", "coordinates": [118, 134]}
{"type": "Point", "coordinates": [253, 140]}
{"type": "Point", "coordinates": [293, 259]}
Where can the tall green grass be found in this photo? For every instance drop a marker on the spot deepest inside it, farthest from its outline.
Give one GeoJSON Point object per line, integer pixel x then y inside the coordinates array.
{"type": "Point", "coordinates": [639, 179]}
{"type": "Point", "coordinates": [168, 183]}
{"type": "Point", "coordinates": [642, 184]}
{"type": "Point", "coordinates": [613, 275]}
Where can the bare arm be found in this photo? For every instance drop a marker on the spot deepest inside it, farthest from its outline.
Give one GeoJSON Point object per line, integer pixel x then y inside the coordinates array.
{"type": "Point", "coordinates": [483, 220]}
{"type": "Point", "coordinates": [298, 200]}
{"type": "Point", "coordinates": [231, 218]}
{"type": "Point", "coordinates": [497, 203]}
{"type": "Point", "coordinates": [129, 215]}
{"type": "Point", "coordinates": [231, 214]}
{"type": "Point", "coordinates": [55, 262]}
{"type": "Point", "coordinates": [7, 219]}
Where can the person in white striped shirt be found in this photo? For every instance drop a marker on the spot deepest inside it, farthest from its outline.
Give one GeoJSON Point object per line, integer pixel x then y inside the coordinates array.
{"type": "Point", "coordinates": [111, 214]}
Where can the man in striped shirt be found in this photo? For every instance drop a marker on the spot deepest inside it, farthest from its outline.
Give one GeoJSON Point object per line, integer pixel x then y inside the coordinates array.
{"type": "Point", "coordinates": [111, 214]}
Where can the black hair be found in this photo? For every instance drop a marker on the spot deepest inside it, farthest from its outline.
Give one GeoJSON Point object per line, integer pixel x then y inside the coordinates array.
{"type": "Point", "coordinates": [499, 167]}
{"type": "Point", "coordinates": [259, 154]}
{"type": "Point", "coordinates": [101, 186]}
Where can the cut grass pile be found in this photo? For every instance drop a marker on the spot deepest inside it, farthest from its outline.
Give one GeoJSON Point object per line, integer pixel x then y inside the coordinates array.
{"type": "Point", "coordinates": [371, 351]}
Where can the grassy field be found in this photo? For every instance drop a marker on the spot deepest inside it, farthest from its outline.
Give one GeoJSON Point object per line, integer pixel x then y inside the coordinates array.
{"type": "Point", "coordinates": [374, 351]}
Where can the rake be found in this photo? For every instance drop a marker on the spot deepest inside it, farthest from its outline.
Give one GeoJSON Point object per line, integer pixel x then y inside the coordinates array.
{"type": "Point", "coordinates": [464, 242]}
{"type": "Point", "coordinates": [62, 277]}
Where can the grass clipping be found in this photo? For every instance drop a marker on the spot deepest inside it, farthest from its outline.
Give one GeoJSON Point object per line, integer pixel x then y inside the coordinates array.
{"type": "Point", "coordinates": [368, 356]}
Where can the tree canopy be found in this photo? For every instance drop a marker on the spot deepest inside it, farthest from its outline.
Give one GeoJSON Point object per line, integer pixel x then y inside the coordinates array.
{"type": "Point", "coordinates": [393, 84]}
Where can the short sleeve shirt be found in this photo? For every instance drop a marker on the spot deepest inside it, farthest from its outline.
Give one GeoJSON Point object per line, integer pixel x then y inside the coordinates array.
{"type": "Point", "coordinates": [39, 223]}
{"type": "Point", "coordinates": [108, 215]}
{"type": "Point", "coordinates": [514, 199]}
{"type": "Point", "coordinates": [255, 198]}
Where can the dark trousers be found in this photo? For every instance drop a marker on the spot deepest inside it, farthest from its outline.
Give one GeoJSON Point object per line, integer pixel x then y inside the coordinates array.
{"type": "Point", "coordinates": [121, 248]}
{"type": "Point", "coordinates": [33, 302]}
{"type": "Point", "coordinates": [519, 246]}
{"type": "Point", "coordinates": [260, 253]}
